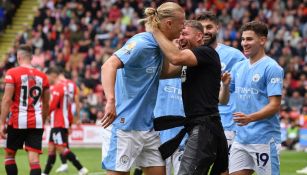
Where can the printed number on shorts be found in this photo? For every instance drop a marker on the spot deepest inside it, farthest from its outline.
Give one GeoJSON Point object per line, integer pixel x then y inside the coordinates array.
{"type": "Point", "coordinates": [262, 159]}
{"type": "Point", "coordinates": [35, 92]}
{"type": "Point", "coordinates": [57, 138]}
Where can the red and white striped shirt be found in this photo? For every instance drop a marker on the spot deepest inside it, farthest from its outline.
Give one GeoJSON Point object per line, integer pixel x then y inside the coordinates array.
{"type": "Point", "coordinates": [72, 92]}
{"type": "Point", "coordinates": [62, 98]}
{"type": "Point", "coordinates": [29, 84]}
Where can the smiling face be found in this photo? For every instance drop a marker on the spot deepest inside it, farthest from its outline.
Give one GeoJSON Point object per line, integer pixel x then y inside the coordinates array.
{"type": "Point", "coordinates": [190, 37]}
{"type": "Point", "coordinates": [210, 31]}
{"type": "Point", "coordinates": [252, 43]}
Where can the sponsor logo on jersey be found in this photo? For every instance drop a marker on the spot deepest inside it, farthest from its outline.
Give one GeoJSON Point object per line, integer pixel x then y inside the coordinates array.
{"type": "Point", "coordinates": [172, 89]}
{"type": "Point", "coordinates": [128, 48]}
{"type": "Point", "coordinates": [244, 90]}
{"type": "Point", "coordinates": [151, 70]}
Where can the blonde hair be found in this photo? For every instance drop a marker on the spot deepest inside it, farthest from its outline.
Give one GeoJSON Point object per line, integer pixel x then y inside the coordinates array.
{"type": "Point", "coordinates": [165, 10]}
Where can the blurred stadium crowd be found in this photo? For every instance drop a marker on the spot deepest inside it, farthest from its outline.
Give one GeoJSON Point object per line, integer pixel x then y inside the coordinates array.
{"type": "Point", "coordinates": [7, 11]}
{"type": "Point", "coordinates": [79, 35]}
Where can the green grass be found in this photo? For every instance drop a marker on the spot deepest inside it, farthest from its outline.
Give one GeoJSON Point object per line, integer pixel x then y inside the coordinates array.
{"type": "Point", "coordinates": [292, 161]}
{"type": "Point", "coordinates": [91, 158]}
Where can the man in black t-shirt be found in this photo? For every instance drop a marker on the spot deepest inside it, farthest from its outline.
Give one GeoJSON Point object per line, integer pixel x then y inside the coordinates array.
{"type": "Point", "coordinates": [201, 76]}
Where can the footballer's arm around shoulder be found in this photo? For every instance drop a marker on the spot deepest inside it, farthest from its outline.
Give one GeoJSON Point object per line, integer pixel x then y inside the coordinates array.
{"type": "Point", "coordinates": [175, 56]}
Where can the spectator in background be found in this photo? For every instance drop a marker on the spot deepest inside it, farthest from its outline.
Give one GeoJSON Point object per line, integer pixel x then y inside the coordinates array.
{"type": "Point", "coordinates": [292, 135]}
{"type": "Point", "coordinates": [2, 19]}
{"type": "Point", "coordinates": [127, 12]}
{"type": "Point", "coordinates": [9, 10]}
{"type": "Point", "coordinates": [114, 13]}
{"type": "Point", "coordinates": [296, 101]}
{"type": "Point", "coordinates": [38, 59]}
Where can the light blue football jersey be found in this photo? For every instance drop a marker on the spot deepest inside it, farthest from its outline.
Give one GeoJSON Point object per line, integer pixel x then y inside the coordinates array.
{"type": "Point", "coordinates": [229, 56]}
{"type": "Point", "coordinates": [137, 83]}
{"type": "Point", "coordinates": [253, 85]}
{"type": "Point", "coordinates": [169, 102]}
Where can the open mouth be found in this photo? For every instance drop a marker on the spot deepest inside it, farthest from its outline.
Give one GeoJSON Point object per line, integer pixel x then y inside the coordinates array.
{"type": "Point", "coordinates": [183, 44]}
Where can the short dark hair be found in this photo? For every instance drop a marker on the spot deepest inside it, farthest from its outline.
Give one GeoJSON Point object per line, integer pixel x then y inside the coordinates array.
{"type": "Point", "coordinates": [53, 70]}
{"type": "Point", "coordinates": [27, 49]}
{"type": "Point", "coordinates": [258, 27]}
{"type": "Point", "coordinates": [67, 74]}
{"type": "Point", "coordinates": [194, 24]}
{"type": "Point", "coordinates": [207, 15]}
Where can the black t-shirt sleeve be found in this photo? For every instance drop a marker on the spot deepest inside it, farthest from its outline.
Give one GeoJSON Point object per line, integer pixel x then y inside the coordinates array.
{"type": "Point", "coordinates": [205, 55]}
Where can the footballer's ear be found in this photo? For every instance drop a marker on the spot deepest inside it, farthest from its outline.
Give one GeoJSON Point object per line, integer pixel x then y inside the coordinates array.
{"type": "Point", "coordinates": [217, 28]}
{"type": "Point", "coordinates": [200, 36]}
{"type": "Point", "coordinates": [168, 23]}
{"type": "Point", "coordinates": [262, 40]}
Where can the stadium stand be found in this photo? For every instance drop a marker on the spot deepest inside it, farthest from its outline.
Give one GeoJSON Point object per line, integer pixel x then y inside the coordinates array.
{"type": "Point", "coordinates": [79, 35]}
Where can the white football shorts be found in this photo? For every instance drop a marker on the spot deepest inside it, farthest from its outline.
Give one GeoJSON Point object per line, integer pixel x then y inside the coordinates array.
{"type": "Point", "coordinates": [262, 158]}
{"type": "Point", "coordinates": [123, 149]}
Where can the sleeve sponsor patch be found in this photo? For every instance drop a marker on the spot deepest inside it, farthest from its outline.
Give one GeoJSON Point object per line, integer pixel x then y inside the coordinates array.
{"type": "Point", "coordinates": [8, 77]}
{"type": "Point", "coordinates": [276, 80]}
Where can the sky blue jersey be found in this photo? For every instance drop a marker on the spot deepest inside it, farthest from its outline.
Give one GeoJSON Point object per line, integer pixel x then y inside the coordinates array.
{"type": "Point", "coordinates": [169, 102]}
{"type": "Point", "coordinates": [137, 83]}
{"type": "Point", "coordinates": [229, 56]}
{"type": "Point", "coordinates": [253, 85]}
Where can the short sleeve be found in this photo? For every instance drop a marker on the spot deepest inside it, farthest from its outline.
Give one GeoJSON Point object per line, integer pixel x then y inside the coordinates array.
{"type": "Point", "coordinates": [205, 55]}
{"type": "Point", "coordinates": [274, 80]}
{"type": "Point", "coordinates": [9, 77]}
{"type": "Point", "coordinates": [135, 48]}
{"type": "Point", "coordinates": [233, 74]}
{"type": "Point", "coordinates": [56, 93]}
{"type": "Point", "coordinates": [45, 82]}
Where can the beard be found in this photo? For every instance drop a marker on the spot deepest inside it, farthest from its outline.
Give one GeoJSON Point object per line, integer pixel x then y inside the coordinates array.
{"type": "Point", "coordinates": [211, 40]}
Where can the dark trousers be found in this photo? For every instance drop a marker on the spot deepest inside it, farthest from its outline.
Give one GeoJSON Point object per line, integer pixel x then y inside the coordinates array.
{"type": "Point", "coordinates": [206, 146]}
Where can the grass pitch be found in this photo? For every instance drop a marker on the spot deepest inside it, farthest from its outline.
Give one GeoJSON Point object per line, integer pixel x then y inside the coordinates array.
{"type": "Point", "coordinates": [91, 159]}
